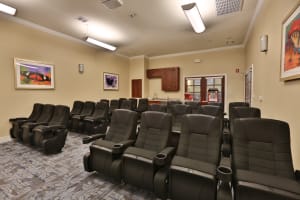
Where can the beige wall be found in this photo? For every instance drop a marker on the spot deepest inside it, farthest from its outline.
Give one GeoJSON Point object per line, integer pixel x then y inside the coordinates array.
{"type": "Point", "coordinates": [280, 100]}
{"type": "Point", "coordinates": [216, 62]}
{"type": "Point", "coordinates": [25, 42]}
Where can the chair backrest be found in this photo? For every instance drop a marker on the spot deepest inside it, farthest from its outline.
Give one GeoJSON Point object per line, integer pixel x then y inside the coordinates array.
{"type": "Point", "coordinates": [60, 115]}
{"type": "Point", "coordinates": [127, 104]}
{"type": "Point", "coordinates": [114, 104]}
{"type": "Point", "coordinates": [46, 114]}
{"type": "Point", "coordinates": [105, 100]}
{"type": "Point", "coordinates": [101, 110]}
{"type": "Point", "coordinates": [122, 126]}
{"type": "Point", "coordinates": [155, 131]}
{"type": "Point", "coordinates": [211, 110]}
{"type": "Point", "coordinates": [157, 107]}
{"type": "Point", "coordinates": [200, 138]}
{"type": "Point", "coordinates": [88, 108]}
{"type": "Point", "coordinates": [178, 110]}
{"type": "Point", "coordinates": [262, 145]}
{"type": "Point", "coordinates": [143, 105]}
{"type": "Point", "coordinates": [133, 103]}
{"type": "Point", "coordinates": [194, 105]}
{"type": "Point", "coordinates": [170, 105]}
{"type": "Point", "coordinates": [36, 111]}
{"type": "Point", "coordinates": [216, 104]}
{"type": "Point", "coordinates": [77, 107]}
{"type": "Point", "coordinates": [243, 112]}
{"type": "Point", "coordinates": [121, 100]}
{"type": "Point", "coordinates": [236, 104]}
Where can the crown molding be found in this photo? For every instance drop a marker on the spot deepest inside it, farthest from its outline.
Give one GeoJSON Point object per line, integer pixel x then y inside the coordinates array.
{"type": "Point", "coordinates": [198, 52]}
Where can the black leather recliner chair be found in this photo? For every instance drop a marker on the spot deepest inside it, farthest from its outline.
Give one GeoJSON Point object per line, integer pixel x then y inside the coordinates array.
{"type": "Point", "coordinates": [237, 112]}
{"type": "Point", "coordinates": [16, 130]}
{"type": "Point", "coordinates": [157, 107]}
{"type": "Point", "coordinates": [105, 153]}
{"type": "Point", "coordinates": [133, 103]}
{"type": "Point", "coordinates": [178, 111]}
{"type": "Point", "coordinates": [114, 104]}
{"type": "Point", "coordinates": [127, 104]}
{"type": "Point", "coordinates": [76, 110]}
{"type": "Point", "coordinates": [262, 161]}
{"type": "Point", "coordinates": [170, 105]}
{"type": "Point", "coordinates": [211, 110]}
{"type": "Point", "coordinates": [87, 110]}
{"type": "Point", "coordinates": [150, 151]}
{"type": "Point", "coordinates": [193, 169]}
{"type": "Point", "coordinates": [232, 105]}
{"type": "Point", "coordinates": [52, 136]}
{"type": "Point", "coordinates": [96, 123]}
{"type": "Point", "coordinates": [194, 105]}
{"type": "Point", "coordinates": [44, 118]}
{"type": "Point", "coordinates": [142, 106]}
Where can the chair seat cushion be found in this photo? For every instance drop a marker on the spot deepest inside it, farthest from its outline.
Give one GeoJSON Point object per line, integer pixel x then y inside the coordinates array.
{"type": "Point", "coordinates": [140, 154]}
{"type": "Point", "coordinates": [193, 167]}
{"type": "Point", "coordinates": [267, 182]}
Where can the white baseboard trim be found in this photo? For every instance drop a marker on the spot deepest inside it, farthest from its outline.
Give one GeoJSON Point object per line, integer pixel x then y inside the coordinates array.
{"type": "Point", "coordinates": [4, 139]}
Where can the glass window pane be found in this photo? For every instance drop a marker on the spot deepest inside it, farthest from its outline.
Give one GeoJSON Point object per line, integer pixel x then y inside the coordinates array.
{"type": "Point", "coordinates": [189, 82]}
{"type": "Point", "coordinates": [218, 81]}
{"type": "Point", "coordinates": [190, 88]}
{"type": "Point", "coordinates": [197, 89]}
{"type": "Point", "coordinates": [219, 88]}
{"type": "Point", "coordinates": [197, 82]}
{"type": "Point", "coordinates": [210, 81]}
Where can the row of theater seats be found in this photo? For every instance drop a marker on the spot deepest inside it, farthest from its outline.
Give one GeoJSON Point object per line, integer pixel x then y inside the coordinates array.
{"type": "Point", "coordinates": [46, 127]}
{"type": "Point", "coordinates": [90, 117]}
{"type": "Point", "coordinates": [256, 164]}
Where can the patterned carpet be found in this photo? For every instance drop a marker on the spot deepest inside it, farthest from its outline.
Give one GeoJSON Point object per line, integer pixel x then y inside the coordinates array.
{"type": "Point", "coordinates": [26, 173]}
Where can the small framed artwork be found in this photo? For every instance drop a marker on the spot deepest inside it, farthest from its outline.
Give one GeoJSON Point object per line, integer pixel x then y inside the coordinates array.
{"type": "Point", "coordinates": [31, 74]}
{"type": "Point", "coordinates": [110, 81]}
{"type": "Point", "coordinates": [290, 48]}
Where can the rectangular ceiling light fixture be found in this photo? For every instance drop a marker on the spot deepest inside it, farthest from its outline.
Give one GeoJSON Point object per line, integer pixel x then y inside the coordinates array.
{"type": "Point", "coordinates": [100, 44]}
{"type": "Point", "coordinates": [192, 13]}
{"type": "Point", "coordinates": [7, 9]}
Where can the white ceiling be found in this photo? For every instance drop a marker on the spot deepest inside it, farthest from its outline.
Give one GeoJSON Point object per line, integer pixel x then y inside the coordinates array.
{"type": "Point", "coordinates": [158, 28]}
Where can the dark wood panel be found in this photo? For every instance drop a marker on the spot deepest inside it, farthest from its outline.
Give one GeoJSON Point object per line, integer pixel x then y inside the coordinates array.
{"type": "Point", "coordinates": [170, 77]}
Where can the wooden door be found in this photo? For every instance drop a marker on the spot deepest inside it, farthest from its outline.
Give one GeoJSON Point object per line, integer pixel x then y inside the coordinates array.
{"type": "Point", "coordinates": [136, 88]}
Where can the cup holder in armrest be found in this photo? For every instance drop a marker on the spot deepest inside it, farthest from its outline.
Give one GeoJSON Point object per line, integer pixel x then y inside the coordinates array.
{"type": "Point", "coordinates": [160, 158]}
{"type": "Point", "coordinates": [224, 173]}
{"type": "Point", "coordinates": [117, 148]}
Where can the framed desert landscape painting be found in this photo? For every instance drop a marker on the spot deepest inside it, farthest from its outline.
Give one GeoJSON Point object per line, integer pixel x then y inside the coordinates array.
{"type": "Point", "coordinates": [110, 81]}
{"type": "Point", "coordinates": [31, 74]}
{"type": "Point", "coordinates": [290, 52]}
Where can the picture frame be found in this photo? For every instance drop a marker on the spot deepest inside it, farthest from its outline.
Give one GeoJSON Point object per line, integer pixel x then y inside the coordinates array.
{"type": "Point", "coordinates": [31, 74]}
{"type": "Point", "coordinates": [290, 48]}
{"type": "Point", "coordinates": [110, 81]}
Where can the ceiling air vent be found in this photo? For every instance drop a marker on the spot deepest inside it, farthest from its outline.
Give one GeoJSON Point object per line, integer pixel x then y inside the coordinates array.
{"type": "Point", "coordinates": [112, 4]}
{"type": "Point", "coordinates": [228, 6]}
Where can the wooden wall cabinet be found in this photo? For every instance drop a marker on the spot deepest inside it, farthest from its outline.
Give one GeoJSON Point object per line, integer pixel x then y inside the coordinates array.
{"type": "Point", "coordinates": [170, 77]}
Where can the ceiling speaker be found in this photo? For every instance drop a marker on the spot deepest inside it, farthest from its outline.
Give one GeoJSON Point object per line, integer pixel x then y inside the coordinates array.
{"type": "Point", "coordinates": [112, 4]}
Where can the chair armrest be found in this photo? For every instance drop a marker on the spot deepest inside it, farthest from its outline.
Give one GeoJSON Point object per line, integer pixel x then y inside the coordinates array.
{"type": "Point", "coordinates": [164, 157]}
{"type": "Point", "coordinates": [33, 124]}
{"type": "Point", "coordinates": [224, 171]}
{"type": "Point", "coordinates": [226, 150]}
{"type": "Point", "coordinates": [226, 122]}
{"type": "Point", "coordinates": [17, 118]}
{"type": "Point", "coordinates": [122, 146]}
{"type": "Point", "coordinates": [297, 174]}
{"type": "Point", "coordinates": [91, 138]}
{"type": "Point", "coordinates": [226, 135]}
